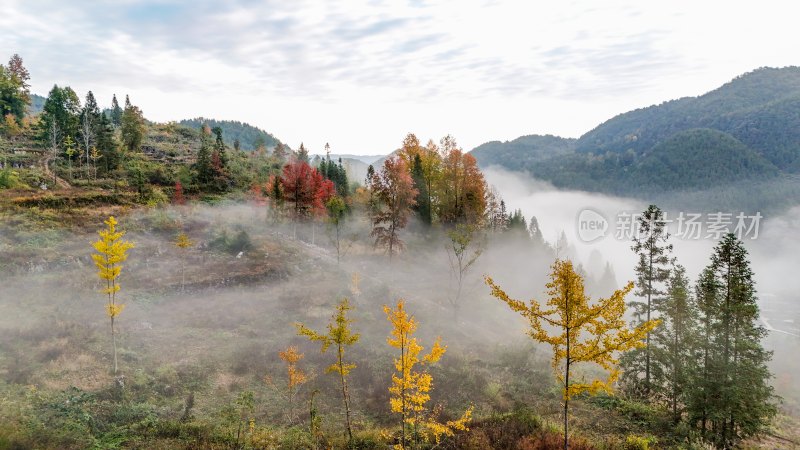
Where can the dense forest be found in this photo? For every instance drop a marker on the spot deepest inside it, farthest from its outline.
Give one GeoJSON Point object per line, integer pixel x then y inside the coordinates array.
{"type": "Point", "coordinates": [236, 134]}
{"type": "Point", "coordinates": [748, 127]}
{"type": "Point", "coordinates": [202, 285]}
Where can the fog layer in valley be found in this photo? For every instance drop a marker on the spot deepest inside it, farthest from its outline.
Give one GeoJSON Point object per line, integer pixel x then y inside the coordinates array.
{"type": "Point", "coordinates": [773, 254]}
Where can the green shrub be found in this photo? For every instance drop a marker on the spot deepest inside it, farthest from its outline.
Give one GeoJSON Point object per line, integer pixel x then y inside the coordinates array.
{"type": "Point", "coordinates": [240, 242]}
{"type": "Point", "coordinates": [633, 442]}
{"type": "Point", "coordinates": [9, 179]}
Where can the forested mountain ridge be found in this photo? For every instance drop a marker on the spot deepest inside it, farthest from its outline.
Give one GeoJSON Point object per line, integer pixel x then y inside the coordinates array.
{"type": "Point", "coordinates": [524, 149]}
{"type": "Point", "coordinates": [756, 108]}
{"type": "Point", "coordinates": [248, 136]}
{"type": "Point", "coordinates": [748, 129]}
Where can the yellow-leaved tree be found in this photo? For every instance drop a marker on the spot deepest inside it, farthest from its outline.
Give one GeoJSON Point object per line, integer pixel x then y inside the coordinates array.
{"type": "Point", "coordinates": [295, 376]}
{"type": "Point", "coordinates": [111, 251]}
{"type": "Point", "coordinates": [184, 244]}
{"type": "Point", "coordinates": [585, 331]}
{"type": "Point", "coordinates": [410, 389]}
{"type": "Point", "coordinates": [340, 335]}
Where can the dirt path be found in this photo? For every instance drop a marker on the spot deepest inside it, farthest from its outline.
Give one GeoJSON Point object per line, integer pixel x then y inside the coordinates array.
{"type": "Point", "coordinates": [60, 182]}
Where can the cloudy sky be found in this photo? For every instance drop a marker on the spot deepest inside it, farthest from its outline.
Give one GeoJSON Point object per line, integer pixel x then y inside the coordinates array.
{"type": "Point", "coordinates": [361, 74]}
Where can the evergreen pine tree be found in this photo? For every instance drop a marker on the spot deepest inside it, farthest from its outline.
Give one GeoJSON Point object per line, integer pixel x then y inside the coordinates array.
{"type": "Point", "coordinates": [203, 166]}
{"type": "Point", "coordinates": [703, 389]}
{"type": "Point", "coordinates": [423, 206]}
{"type": "Point", "coordinates": [132, 127]}
{"type": "Point", "coordinates": [342, 182]}
{"type": "Point", "coordinates": [652, 270]}
{"type": "Point", "coordinates": [106, 144]}
{"type": "Point", "coordinates": [89, 125]}
{"type": "Point", "coordinates": [302, 153]}
{"type": "Point", "coordinates": [116, 112]}
{"type": "Point", "coordinates": [741, 399]}
{"type": "Point", "coordinates": [673, 342]}
{"type": "Point", "coordinates": [219, 146]}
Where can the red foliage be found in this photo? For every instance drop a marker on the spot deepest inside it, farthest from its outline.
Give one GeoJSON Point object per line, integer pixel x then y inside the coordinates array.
{"type": "Point", "coordinates": [257, 194]}
{"type": "Point", "coordinates": [216, 162]}
{"type": "Point", "coordinates": [177, 195]}
{"type": "Point", "coordinates": [306, 188]}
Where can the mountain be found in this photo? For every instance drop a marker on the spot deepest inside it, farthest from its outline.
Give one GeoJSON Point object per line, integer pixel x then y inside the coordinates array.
{"type": "Point", "coordinates": [355, 167]}
{"type": "Point", "coordinates": [250, 137]}
{"type": "Point", "coordinates": [760, 108]}
{"type": "Point", "coordinates": [524, 150]}
{"type": "Point", "coordinates": [366, 159]}
{"type": "Point", "coordinates": [37, 104]}
{"type": "Point", "coordinates": [746, 130]}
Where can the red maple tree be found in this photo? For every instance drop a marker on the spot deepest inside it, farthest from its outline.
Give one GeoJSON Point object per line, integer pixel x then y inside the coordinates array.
{"type": "Point", "coordinates": [306, 189]}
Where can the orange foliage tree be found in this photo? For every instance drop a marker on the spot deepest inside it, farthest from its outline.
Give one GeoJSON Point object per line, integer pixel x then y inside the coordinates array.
{"type": "Point", "coordinates": [295, 377]}
{"type": "Point", "coordinates": [461, 187]}
{"type": "Point", "coordinates": [394, 193]}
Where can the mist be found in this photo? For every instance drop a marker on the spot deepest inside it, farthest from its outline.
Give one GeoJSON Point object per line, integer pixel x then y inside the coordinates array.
{"type": "Point", "coordinates": [773, 255]}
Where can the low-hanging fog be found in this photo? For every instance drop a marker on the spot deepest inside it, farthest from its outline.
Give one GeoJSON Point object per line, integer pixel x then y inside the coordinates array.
{"type": "Point", "coordinates": [250, 278]}
{"type": "Point", "coordinates": [773, 254]}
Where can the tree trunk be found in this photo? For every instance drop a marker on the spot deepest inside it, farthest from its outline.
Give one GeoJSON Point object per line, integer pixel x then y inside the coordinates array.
{"type": "Point", "coordinates": [345, 395]}
{"type": "Point", "coordinates": [647, 338]}
{"type": "Point", "coordinates": [566, 402]}
{"type": "Point", "coordinates": [114, 340]}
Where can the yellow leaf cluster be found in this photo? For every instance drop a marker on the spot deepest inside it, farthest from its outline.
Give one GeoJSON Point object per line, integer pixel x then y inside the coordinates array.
{"type": "Point", "coordinates": [410, 388]}
{"type": "Point", "coordinates": [111, 251]}
{"type": "Point", "coordinates": [436, 430]}
{"type": "Point", "coordinates": [183, 241]}
{"type": "Point", "coordinates": [295, 375]}
{"type": "Point", "coordinates": [339, 333]}
{"type": "Point", "coordinates": [587, 332]}
{"type": "Point", "coordinates": [113, 310]}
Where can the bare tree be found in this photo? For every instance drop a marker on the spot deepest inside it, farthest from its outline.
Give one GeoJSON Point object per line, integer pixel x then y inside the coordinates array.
{"type": "Point", "coordinates": [464, 248]}
{"type": "Point", "coordinates": [54, 139]}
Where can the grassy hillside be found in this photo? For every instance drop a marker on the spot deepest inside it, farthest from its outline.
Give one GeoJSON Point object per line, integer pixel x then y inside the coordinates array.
{"type": "Point", "coordinates": [189, 351]}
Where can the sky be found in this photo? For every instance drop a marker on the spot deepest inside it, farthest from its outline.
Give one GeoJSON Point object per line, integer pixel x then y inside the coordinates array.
{"type": "Point", "coordinates": [361, 74]}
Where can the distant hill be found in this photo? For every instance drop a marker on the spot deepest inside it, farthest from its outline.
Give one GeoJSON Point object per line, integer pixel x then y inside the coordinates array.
{"type": "Point", "coordinates": [366, 159]}
{"type": "Point", "coordinates": [356, 168]}
{"type": "Point", "coordinates": [746, 130]}
{"type": "Point", "coordinates": [760, 108]}
{"type": "Point", "coordinates": [524, 150]}
{"type": "Point", "coordinates": [250, 137]}
{"type": "Point", "coordinates": [37, 104]}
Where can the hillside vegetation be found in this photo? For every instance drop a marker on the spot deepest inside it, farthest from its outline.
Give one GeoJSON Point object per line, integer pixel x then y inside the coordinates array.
{"type": "Point", "coordinates": [161, 288]}
{"type": "Point", "coordinates": [745, 131]}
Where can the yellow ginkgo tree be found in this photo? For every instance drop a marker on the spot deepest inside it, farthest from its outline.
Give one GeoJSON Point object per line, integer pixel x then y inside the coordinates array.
{"type": "Point", "coordinates": [340, 335]}
{"type": "Point", "coordinates": [184, 244]}
{"type": "Point", "coordinates": [411, 386]}
{"type": "Point", "coordinates": [295, 377]}
{"type": "Point", "coordinates": [583, 331]}
{"type": "Point", "coordinates": [111, 251]}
